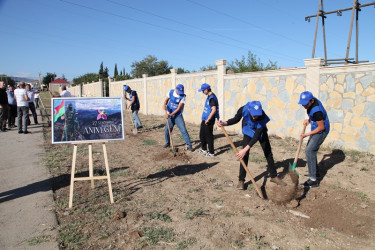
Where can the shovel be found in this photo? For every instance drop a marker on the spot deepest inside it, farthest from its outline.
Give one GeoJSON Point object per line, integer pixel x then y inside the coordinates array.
{"type": "Point", "coordinates": [134, 130]}
{"type": "Point", "coordinates": [243, 163]}
{"type": "Point", "coordinates": [170, 137]}
{"type": "Point", "coordinates": [293, 167]}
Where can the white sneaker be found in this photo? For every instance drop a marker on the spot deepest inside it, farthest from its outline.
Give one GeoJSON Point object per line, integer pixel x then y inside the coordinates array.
{"type": "Point", "coordinates": [202, 152]}
{"type": "Point", "coordinates": [209, 155]}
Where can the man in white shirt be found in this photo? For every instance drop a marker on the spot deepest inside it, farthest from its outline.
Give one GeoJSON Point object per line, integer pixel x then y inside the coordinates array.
{"type": "Point", "coordinates": [65, 93]}
{"type": "Point", "coordinates": [31, 93]}
{"type": "Point", "coordinates": [22, 107]}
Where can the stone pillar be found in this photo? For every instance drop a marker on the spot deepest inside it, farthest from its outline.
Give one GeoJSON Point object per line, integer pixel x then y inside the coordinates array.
{"type": "Point", "coordinates": [313, 75]}
{"type": "Point", "coordinates": [145, 103]}
{"type": "Point", "coordinates": [102, 87]}
{"type": "Point", "coordinates": [80, 90]}
{"type": "Point", "coordinates": [173, 78]}
{"type": "Point", "coordinates": [221, 71]}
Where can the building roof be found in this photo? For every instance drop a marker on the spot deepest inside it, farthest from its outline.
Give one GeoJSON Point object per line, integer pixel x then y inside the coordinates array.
{"type": "Point", "coordinates": [60, 81]}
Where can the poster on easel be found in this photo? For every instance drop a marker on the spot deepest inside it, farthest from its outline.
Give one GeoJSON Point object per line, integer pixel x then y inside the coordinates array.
{"type": "Point", "coordinates": [76, 120]}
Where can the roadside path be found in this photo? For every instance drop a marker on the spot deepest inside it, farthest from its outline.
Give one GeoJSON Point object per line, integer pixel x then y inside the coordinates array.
{"type": "Point", "coordinates": [26, 201]}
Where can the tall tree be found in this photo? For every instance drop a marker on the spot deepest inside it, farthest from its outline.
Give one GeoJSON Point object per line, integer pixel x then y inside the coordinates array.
{"type": "Point", "coordinates": [115, 73]}
{"type": "Point", "coordinates": [49, 77]}
{"type": "Point", "coordinates": [106, 74]}
{"type": "Point", "coordinates": [63, 77]}
{"type": "Point", "coordinates": [101, 71]}
{"type": "Point", "coordinates": [150, 66]}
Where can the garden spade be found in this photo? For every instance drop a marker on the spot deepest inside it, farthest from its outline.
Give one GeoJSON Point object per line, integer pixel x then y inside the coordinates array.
{"type": "Point", "coordinates": [170, 136]}
{"type": "Point", "coordinates": [243, 163]}
{"type": "Point", "coordinates": [134, 130]}
{"type": "Point", "coordinates": [293, 167]}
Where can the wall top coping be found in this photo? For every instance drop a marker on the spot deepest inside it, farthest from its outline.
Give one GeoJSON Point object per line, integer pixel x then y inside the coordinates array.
{"type": "Point", "coordinates": [314, 62]}
{"type": "Point", "coordinates": [268, 73]}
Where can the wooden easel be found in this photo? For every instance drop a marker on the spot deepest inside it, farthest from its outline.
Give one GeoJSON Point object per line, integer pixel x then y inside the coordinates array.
{"type": "Point", "coordinates": [91, 171]}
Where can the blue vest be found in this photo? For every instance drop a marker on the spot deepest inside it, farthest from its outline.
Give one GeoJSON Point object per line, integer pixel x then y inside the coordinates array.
{"type": "Point", "coordinates": [249, 126]}
{"type": "Point", "coordinates": [313, 123]}
{"type": "Point", "coordinates": [174, 102]}
{"type": "Point", "coordinates": [207, 108]}
{"type": "Point", "coordinates": [136, 102]}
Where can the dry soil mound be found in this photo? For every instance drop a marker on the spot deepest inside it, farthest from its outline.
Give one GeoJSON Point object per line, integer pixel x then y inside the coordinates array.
{"type": "Point", "coordinates": [283, 194]}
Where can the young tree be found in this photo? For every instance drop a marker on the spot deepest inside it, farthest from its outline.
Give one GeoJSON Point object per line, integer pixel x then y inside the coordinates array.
{"type": "Point", "coordinates": [63, 77]}
{"type": "Point", "coordinates": [115, 73]}
{"type": "Point", "coordinates": [150, 66]}
{"type": "Point", "coordinates": [208, 67]}
{"type": "Point", "coordinates": [101, 71]}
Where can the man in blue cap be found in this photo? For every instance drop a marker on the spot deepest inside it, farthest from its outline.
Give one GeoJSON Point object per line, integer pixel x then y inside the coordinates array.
{"type": "Point", "coordinates": [210, 113]}
{"type": "Point", "coordinates": [174, 105]}
{"type": "Point", "coordinates": [254, 129]}
{"type": "Point", "coordinates": [319, 121]}
{"type": "Point", "coordinates": [134, 105]}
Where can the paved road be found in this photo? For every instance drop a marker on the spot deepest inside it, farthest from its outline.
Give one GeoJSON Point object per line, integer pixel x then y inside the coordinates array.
{"type": "Point", "coordinates": [26, 201]}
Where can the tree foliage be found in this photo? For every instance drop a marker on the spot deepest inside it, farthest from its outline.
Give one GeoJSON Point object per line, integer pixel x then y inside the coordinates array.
{"type": "Point", "coordinates": [7, 80]}
{"type": "Point", "coordinates": [150, 66]}
{"type": "Point", "coordinates": [208, 67]}
{"type": "Point", "coordinates": [115, 73]}
{"type": "Point", "coordinates": [250, 64]}
{"type": "Point", "coordinates": [86, 78]}
{"type": "Point", "coordinates": [49, 77]}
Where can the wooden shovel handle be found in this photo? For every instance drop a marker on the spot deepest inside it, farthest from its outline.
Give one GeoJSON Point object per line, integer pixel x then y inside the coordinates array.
{"type": "Point", "coordinates": [170, 134]}
{"type": "Point", "coordinates": [299, 145]}
{"type": "Point", "coordinates": [243, 163]}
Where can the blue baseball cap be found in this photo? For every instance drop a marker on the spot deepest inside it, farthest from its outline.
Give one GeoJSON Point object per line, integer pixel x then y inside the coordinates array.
{"type": "Point", "coordinates": [305, 97]}
{"type": "Point", "coordinates": [204, 87]}
{"type": "Point", "coordinates": [256, 108]}
{"type": "Point", "coordinates": [180, 89]}
{"type": "Point", "coordinates": [126, 87]}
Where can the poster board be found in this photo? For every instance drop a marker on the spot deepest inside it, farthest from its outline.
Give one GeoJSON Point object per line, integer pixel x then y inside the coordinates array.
{"type": "Point", "coordinates": [76, 120]}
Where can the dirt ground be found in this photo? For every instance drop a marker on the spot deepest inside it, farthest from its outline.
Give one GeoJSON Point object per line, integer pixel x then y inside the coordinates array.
{"type": "Point", "coordinates": [189, 201]}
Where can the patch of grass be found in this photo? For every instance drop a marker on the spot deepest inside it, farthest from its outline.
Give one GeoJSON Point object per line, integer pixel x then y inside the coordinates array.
{"type": "Point", "coordinates": [256, 158]}
{"type": "Point", "coordinates": [186, 243]}
{"type": "Point", "coordinates": [122, 172]}
{"type": "Point", "coordinates": [364, 169]}
{"type": "Point", "coordinates": [338, 186]}
{"type": "Point", "coordinates": [159, 216]}
{"type": "Point", "coordinates": [71, 236]}
{"type": "Point", "coordinates": [217, 201]}
{"type": "Point", "coordinates": [324, 235]}
{"type": "Point", "coordinates": [280, 221]}
{"type": "Point", "coordinates": [363, 196]}
{"type": "Point", "coordinates": [228, 215]}
{"type": "Point", "coordinates": [194, 190]}
{"type": "Point", "coordinates": [354, 155]}
{"type": "Point", "coordinates": [219, 188]}
{"type": "Point", "coordinates": [38, 240]}
{"type": "Point", "coordinates": [149, 142]}
{"type": "Point", "coordinates": [152, 236]}
{"type": "Point", "coordinates": [192, 213]}
{"type": "Point", "coordinates": [247, 214]}
{"type": "Point", "coordinates": [62, 203]}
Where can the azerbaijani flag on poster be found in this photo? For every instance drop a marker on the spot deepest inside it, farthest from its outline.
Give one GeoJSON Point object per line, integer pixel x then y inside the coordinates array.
{"type": "Point", "coordinates": [58, 110]}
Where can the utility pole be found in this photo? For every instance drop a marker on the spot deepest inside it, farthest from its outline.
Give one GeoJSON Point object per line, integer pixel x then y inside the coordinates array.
{"type": "Point", "coordinates": [321, 13]}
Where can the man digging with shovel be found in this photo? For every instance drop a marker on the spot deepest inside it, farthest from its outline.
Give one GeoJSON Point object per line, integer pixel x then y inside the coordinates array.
{"type": "Point", "coordinates": [254, 129]}
{"type": "Point", "coordinates": [174, 106]}
{"type": "Point", "coordinates": [134, 105]}
{"type": "Point", "coordinates": [319, 121]}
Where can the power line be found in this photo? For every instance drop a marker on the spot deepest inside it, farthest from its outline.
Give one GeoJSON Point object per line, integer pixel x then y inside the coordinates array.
{"type": "Point", "coordinates": [177, 31]}
{"type": "Point", "coordinates": [246, 22]}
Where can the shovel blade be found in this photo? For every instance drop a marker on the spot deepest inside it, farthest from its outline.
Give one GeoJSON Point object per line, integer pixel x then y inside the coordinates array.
{"type": "Point", "coordinates": [293, 168]}
{"type": "Point", "coordinates": [135, 131]}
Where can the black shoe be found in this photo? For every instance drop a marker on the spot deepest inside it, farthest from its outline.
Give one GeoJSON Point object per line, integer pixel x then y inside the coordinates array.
{"type": "Point", "coordinates": [26, 132]}
{"type": "Point", "coordinates": [310, 183]}
{"type": "Point", "coordinates": [140, 127]}
{"type": "Point", "coordinates": [166, 146]}
{"type": "Point", "coordinates": [4, 130]}
{"type": "Point", "coordinates": [20, 132]}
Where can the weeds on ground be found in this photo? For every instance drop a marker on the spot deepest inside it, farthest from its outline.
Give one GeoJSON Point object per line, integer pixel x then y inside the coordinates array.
{"type": "Point", "coordinates": [152, 236]}
{"type": "Point", "coordinates": [71, 237]}
{"type": "Point", "coordinates": [363, 196]}
{"type": "Point", "coordinates": [149, 142]}
{"type": "Point", "coordinates": [354, 155]}
{"type": "Point", "coordinates": [192, 213]}
{"type": "Point", "coordinates": [186, 243]}
{"type": "Point", "coordinates": [38, 240]}
{"type": "Point", "coordinates": [159, 216]}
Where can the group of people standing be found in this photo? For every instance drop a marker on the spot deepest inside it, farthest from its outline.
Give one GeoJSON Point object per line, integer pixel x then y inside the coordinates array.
{"type": "Point", "coordinates": [16, 102]}
{"type": "Point", "coordinates": [254, 128]}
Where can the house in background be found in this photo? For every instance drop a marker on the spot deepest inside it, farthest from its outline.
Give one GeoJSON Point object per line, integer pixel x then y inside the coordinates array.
{"type": "Point", "coordinates": [56, 85]}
